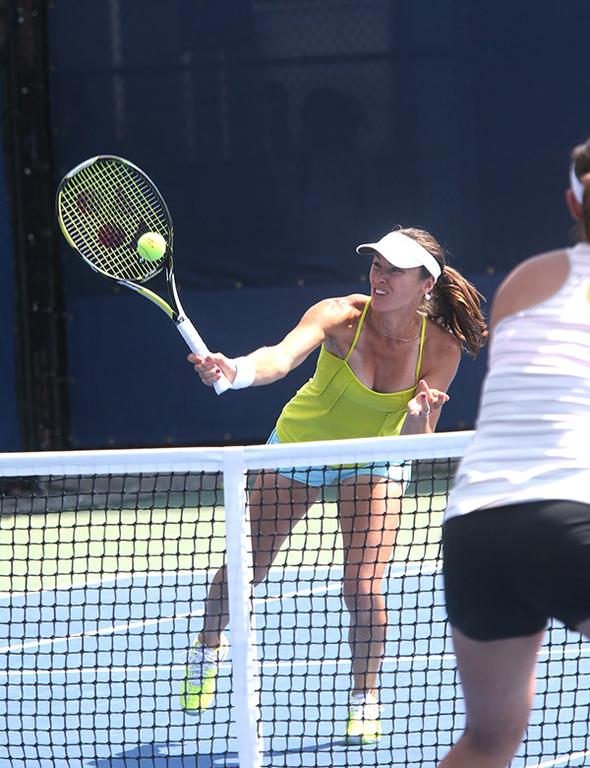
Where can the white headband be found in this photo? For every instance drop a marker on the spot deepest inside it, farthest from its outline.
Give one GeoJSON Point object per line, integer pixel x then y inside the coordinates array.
{"type": "Point", "coordinates": [576, 185]}
{"type": "Point", "coordinates": [404, 252]}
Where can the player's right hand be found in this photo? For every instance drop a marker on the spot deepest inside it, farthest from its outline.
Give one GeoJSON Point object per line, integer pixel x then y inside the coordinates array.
{"type": "Point", "coordinates": [211, 367]}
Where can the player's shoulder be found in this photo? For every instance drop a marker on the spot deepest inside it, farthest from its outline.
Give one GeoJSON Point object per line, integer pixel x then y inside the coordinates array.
{"type": "Point", "coordinates": [341, 308]}
{"type": "Point", "coordinates": [534, 265]}
{"type": "Point", "coordinates": [441, 341]}
{"type": "Point", "coordinates": [533, 280]}
{"type": "Point", "coordinates": [441, 355]}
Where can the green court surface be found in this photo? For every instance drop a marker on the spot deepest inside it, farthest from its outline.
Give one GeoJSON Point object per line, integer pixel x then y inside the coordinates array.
{"type": "Point", "coordinates": [75, 545]}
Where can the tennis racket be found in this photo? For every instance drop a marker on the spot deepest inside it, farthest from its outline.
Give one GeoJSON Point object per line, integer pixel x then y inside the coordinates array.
{"type": "Point", "coordinates": [104, 206]}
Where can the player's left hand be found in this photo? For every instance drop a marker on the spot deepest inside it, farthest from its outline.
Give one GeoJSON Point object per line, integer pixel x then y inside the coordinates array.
{"type": "Point", "coordinates": [426, 399]}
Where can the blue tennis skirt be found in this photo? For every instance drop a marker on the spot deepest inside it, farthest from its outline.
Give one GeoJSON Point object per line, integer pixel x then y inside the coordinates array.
{"type": "Point", "coordinates": [317, 476]}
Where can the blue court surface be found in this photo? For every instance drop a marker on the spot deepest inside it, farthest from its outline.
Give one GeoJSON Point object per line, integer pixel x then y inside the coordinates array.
{"type": "Point", "coordinates": [90, 677]}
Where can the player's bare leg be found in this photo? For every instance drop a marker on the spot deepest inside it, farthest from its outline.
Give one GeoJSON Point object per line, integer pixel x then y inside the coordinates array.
{"type": "Point", "coordinates": [276, 504]}
{"type": "Point", "coordinates": [368, 514]}
{"type": "Point", "coordinates": [498, 679]}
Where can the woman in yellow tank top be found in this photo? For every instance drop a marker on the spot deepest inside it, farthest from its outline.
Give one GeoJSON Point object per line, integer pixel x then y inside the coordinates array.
{"type": "Point", "coordinates": [385, 363]}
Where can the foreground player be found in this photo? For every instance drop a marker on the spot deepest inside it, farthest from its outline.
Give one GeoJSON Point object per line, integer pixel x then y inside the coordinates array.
{"type": "Point", "coordinates": [385, 364]}
{"type": "Point", "coordinates": [517, 530]}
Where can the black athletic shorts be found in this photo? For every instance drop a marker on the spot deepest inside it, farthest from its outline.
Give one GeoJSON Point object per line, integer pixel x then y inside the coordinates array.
{"type": "Point", "coordinates": [509, 569]}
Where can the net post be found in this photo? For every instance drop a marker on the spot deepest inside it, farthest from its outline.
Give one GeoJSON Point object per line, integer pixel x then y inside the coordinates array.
{"type": "Point", "coordinates": [246, 687]}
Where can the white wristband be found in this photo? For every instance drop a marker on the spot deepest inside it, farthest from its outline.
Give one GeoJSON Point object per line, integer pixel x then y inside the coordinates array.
{"type": "Point", "coordinates": [245, 372]}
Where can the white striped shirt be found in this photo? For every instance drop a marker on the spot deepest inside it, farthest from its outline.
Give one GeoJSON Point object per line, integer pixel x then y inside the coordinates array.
{"type": "Point", "coordinates": [532, 439]}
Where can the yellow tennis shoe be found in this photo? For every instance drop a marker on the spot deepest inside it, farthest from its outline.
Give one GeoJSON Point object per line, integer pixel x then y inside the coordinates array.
{"type": "Point", "coordinates": [197, 690]}
{"type": "Point", "coordinates": [363, 725]}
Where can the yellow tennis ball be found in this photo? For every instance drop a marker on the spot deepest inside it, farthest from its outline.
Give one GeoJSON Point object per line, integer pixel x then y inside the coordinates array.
{"type": "Point", "coordinates": [151, 246]}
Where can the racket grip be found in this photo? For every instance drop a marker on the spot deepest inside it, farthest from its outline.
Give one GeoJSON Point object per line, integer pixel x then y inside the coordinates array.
{"type": "Point", "coordinates": [196, 344]}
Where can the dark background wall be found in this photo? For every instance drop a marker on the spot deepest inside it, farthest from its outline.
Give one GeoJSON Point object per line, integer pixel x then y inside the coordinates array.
{"type": "Point", "coordinates": [282, 133]}
{"type": "Point", "coordinates": [9, 431]}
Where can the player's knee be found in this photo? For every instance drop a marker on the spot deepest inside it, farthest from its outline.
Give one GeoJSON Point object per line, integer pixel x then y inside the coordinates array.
{"type": "Point", "coordinates": [499, 739]}
{"type": "Point", "coordinates": [362, 595]}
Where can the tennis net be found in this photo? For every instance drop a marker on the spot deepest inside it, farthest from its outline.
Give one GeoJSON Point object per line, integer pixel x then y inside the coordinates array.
{"type": "Point", "coordinates": [106, 559]}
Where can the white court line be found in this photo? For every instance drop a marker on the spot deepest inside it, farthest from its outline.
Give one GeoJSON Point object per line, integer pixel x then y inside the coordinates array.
{"type": "Point", "coordinates": [143, 575]}
{"type": "Point", "coordinates": [96, 632]}
{"type": "Point", "coordinates": [397, 569]}
{"type": "Point", "coordinates": [23, 673]}
{"type": "Point", "coordinates": [394, 661]}
{"type": "Point", "coordinates": [114, 629]}
{"type": "Point", "coordinates": [87, 671]}
{"type": "Point", "coordinates": [297, 593]}
{"type": "Point", "coordinates": [101, 581]}
{"type": "Point", "coordinates": [294, 664]}
{"type": "Point", "coordinates": [558, 652]}
{"type": "Point", "coordinates": [561, 760]}
{"type": "Point", "coordinates": [388, 661]}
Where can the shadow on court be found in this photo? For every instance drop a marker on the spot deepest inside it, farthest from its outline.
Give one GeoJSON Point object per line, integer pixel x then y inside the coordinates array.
{"type": "Point", "coordinates": [155, 755]}
{"type": "Point", "coordinates": [160, 756]}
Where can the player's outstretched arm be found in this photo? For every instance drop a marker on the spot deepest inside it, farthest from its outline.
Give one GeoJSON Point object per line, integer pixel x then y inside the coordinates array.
{"type": "Point", "coordinates": [268, 364]}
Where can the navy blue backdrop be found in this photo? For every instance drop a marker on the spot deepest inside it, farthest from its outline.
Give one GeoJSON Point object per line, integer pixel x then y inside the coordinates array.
{"type": "Point", "coordinates": [282, 134]}
{"type": "Point", "coordinates": [9, 431]}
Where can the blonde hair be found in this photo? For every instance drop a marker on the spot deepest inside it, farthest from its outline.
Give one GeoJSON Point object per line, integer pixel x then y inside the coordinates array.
{"type": "Point", "coordinates": [455, 303]}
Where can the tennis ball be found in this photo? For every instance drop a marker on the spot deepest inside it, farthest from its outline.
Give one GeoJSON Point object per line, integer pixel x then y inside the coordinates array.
{"type": "Point", "coordinates": [151, 246]}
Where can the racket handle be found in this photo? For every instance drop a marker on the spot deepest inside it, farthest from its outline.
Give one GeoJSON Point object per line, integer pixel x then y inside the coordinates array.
{"type": "Point", "coordinates": [196, 344]}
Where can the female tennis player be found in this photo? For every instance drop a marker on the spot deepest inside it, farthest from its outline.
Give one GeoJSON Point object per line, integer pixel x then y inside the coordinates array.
{"type": "Point", "coordinates": [385, 363]}
{"type": "Point", "coordinates": [517, 528]}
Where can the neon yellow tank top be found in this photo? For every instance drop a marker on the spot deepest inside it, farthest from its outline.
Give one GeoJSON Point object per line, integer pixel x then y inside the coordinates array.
{"type": "Point", "coordinates": [334, 404]}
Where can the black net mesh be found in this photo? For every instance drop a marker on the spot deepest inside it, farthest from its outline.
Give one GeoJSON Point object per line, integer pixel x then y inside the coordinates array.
{"type": "Point", "coordinates": [103, 586]}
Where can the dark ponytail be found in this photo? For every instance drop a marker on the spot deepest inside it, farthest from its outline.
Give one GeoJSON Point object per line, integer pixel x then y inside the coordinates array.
{"type": "Point", "coordinates": [455, 303]}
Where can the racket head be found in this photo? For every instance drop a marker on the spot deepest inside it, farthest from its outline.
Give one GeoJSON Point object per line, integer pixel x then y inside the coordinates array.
{"type": "Point", "coordinates": [104, 205]}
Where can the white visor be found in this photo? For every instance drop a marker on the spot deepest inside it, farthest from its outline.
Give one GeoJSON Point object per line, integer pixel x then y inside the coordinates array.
{"type": "Point", "coordinates": [576, 185]}
{"type": "Point", "coordinates": [403, 252]}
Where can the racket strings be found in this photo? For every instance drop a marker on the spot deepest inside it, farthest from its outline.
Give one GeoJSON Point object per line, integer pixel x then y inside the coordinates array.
{"type": "Point", "coordinates": [106, 237]}
{"type": "Point", "coordinates": [104, 209]}
{"type": "Point", "coordinates": [127, 195]}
